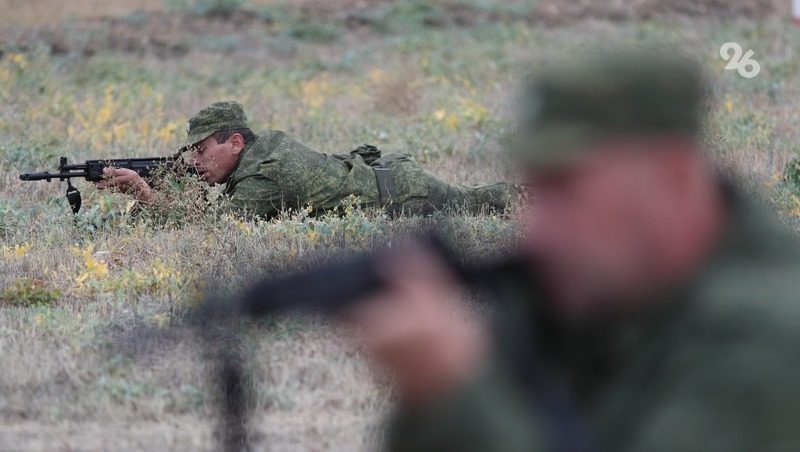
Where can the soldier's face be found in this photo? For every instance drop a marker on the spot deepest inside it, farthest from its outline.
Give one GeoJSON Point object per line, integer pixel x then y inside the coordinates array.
{"type": "Point", "coordinates": [215, 161]}
{"type": "Point", "coordinates": [601, 228]}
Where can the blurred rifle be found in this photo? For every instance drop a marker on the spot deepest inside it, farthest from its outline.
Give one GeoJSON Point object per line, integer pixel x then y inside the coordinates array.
{"type": "Point", "coordinates": [92, 170]}
{"type": "Point", "coordinates": [328, 289]}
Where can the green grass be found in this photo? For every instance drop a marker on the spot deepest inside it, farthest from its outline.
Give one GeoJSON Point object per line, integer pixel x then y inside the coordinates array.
{"type": "Point", "coordinates": [93, 346]}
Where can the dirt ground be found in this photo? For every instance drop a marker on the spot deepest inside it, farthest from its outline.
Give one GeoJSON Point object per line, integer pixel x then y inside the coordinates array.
{"type": "Point", "coordinates": [145, 27]}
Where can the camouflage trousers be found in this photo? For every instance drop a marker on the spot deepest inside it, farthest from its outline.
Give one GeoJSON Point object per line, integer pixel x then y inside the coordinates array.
{"type": "Point", "coordinates": [415, 190]}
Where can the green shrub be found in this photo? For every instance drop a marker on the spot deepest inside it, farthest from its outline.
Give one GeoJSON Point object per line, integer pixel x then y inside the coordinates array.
{"type": "Point", "coordinates": [314, 31]}
{"type": "Point", "coordinates": [29, 292]}
{"type": "Point", "coordinates": [791, 174]}
{"type": "Point", "coordinates": [8, 219]}
{"type": "Point", "coordinates": [33, 155]}
{"type": "Point", "coordinates": [221, 8]}
{"type": "Point", "coordinates": [415, 14]}
{"type": "Point", "coordinates": [108, 69]}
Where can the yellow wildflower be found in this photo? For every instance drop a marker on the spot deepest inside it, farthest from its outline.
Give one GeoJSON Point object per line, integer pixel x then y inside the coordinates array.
{"type": "Point", "coordinates": [119, 131]}
{"type": "Point", "coordinates": [315, 91]}
{"type": "Point", "coordinates": [474, 111]}
{"type": "Point", "coordinates": [376, 75]}
{"type": "Point", "coordinates": [245, 227]}
{"type": "Point", "coordinates": [729, 106]}
{"type": "Point", "coordinates": [106, 111]}
{"type": "Point", "coordinates": [451, 121]}
{"type": "Point", "coordinates": [93, 268]}
{"type": "Point", "coordinates": [161, 272]}
{"type": "Point", "coordinates": [166, 133]}
{"type": "Point", "coordinates": [20, 60]}
{"type": "Point", "coordinates": [160, 320]}
{"type": "Point", "coordinates": [17, 251]}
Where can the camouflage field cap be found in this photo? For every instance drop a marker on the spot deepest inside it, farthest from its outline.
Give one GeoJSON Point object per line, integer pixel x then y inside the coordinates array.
{"type": "Point", "coordinates": [610, 94]}
{"type": "Point", "coordinates": [214, 118]}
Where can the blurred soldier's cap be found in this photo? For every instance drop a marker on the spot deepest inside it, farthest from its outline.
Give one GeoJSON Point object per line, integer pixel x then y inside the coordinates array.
{"type": "Point", "coordinates": [217, 117]}
{"type": "Point", "coordinates": [611, 94]}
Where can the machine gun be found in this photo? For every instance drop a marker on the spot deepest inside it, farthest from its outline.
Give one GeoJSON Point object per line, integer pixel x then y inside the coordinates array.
{"type": "Point", "coordinates": [92, 170]}
{"type": "Point", "coordinates": [326, 290]}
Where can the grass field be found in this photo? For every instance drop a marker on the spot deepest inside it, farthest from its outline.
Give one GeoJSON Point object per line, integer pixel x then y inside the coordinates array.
{"type": "Point", "coordinates": [92, 352]}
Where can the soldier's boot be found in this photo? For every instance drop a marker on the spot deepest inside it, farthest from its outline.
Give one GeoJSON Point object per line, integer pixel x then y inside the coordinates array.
{"type": "Point", "coordinates": [497, 196]}
{"type": "Point", "coordinates": [481, 198]}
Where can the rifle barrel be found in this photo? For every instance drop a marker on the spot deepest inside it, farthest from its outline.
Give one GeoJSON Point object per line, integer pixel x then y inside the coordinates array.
{"type": "Point", "coordinates": [45, 175]}
{"type": "Point", "coordinates": [92, 170]}
{"type": "Point", "coordinates": [332, 287]}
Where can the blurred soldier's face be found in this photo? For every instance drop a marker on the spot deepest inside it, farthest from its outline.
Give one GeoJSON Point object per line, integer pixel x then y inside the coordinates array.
{"type": "Point", "coordinates": [216, 161]}
{"type": "Point", "coordinates": [620, 223]}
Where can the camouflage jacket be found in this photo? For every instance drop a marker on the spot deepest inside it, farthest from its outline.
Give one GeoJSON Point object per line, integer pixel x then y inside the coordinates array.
{"type": "Point", "coordinates": [277, 172]}
{"type": "Point", "coordinates": [714, 366]}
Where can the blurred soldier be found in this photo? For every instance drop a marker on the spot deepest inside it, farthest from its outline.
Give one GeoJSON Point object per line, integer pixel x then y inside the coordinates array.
{"type": "Point", "coordinates": [267, 173]}
{"type": "Point", "coordinates": [665, 313]}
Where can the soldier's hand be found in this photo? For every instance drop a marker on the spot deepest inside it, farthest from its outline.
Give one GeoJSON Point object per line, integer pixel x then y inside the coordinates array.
{"type": "Point", "coordinates": [125, 181]}
{"type": "Point", "coordinates": [419, 329]}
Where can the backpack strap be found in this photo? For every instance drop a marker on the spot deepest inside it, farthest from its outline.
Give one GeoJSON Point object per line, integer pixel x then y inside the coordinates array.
{"type": "Point", "coordinates": [386, 186]}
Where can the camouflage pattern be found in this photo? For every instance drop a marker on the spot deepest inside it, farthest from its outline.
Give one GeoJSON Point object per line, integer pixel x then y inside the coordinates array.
{"type": "Point", "coordinates": [216, 117]}
{"type": "Point", "coordinates": [610, 94]}
{"type": "Point", "coordinates": [713, 367]}
{"type": "Point", "coordinates": [276, 172]}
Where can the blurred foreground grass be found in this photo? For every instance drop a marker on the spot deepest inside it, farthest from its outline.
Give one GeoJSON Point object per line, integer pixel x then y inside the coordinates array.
{"type": "Point", "coordinates": [78, 371]}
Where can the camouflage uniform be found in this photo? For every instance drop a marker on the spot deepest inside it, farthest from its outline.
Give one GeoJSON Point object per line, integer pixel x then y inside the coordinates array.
{"type": "Point", "coordinates": [276, 172]}
{"type": "Point", "coordinates": [712, 365]}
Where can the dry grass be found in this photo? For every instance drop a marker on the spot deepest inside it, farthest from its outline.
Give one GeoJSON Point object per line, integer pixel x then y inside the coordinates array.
{"type": "Point", "coordinates": [51, 12]}
{"type": "Point", "coordinates": [107, 364]}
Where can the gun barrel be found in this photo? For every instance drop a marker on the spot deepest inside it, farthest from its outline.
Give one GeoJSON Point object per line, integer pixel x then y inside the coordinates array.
{"type": "Point", "coordinates": [45, 175]}
{"type": "Point", "coordinates": [92, 170]}
{"type": "Point", "coordinates": [343, 284]}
